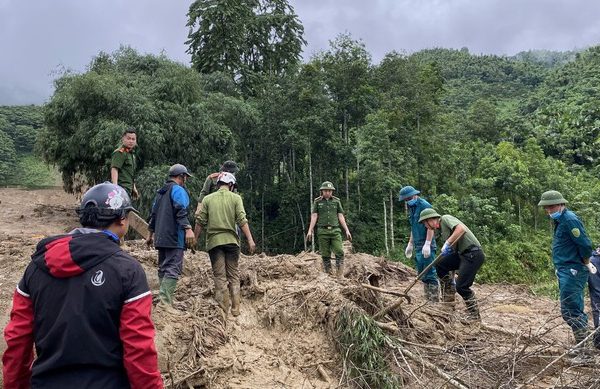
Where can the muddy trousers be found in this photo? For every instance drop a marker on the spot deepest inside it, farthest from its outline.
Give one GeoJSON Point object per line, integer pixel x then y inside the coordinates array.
{"type": "Point", "coordinates": [571, 282]}
{"type": "Point", "coordinates": [224, 262]}
{"type": "Point", "coordinates": [330, 240]}
{"type": "Point", "coordinates": [467, 264]}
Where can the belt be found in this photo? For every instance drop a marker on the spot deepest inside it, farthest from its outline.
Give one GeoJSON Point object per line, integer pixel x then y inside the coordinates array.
{"type": "Point", "coordinates": [471, 249]}
{"type": "Point", "coordinates": [328, 227]}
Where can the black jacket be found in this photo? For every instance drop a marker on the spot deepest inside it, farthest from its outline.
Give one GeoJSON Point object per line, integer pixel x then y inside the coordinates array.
{"type": "Point", "coordinates": [169, 217]}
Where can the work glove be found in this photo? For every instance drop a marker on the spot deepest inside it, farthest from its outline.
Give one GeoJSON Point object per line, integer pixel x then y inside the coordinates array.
{"type": "Point", "coordinates": [409, 249]}
{"type": "Point", "coordinates": [446, 249]}
{"type": "Point", "coordinates": [591, 267]}
{"type": "Point", "coordinates": [426, 249]}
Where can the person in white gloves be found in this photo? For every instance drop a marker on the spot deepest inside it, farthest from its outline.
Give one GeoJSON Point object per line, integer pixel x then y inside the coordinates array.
{"type": "Point", "coordinates": [421, 240]}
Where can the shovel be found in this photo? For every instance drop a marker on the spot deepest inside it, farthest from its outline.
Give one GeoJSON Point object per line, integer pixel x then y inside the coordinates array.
{"type": "Point", "coordinates": [405, 295]}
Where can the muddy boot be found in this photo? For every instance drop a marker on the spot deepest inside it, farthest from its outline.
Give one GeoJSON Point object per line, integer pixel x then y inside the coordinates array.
{"type": "Point", "coordinates": [235, 299]}
{"type": "Point", "coordinates": [472, 309]}
{"type": "Point", "coordinates": [583, 353]}
{"type": "Point", "coordinates": [167, 289]}
{"type": "Point", "coordinates": [340, 269]}
{"type": "Point", "coordinates": [432, 292]}
{"type": "Point", "coordinates": [327, 265]}
{"type": "Point", "coordinates": [448, 290]}
{"type": "Point", "coordinates": [222, 298]}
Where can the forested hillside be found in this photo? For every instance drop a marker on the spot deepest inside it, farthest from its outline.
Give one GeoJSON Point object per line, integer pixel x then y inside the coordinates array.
{"type": "Point", "coordinates": [481, 136]}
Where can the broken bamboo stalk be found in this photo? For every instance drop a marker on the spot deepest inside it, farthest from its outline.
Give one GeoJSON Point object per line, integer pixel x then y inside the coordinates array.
{"type": "Point", "coordinates": [323, 374]}
{"type": "Point", "coordinates": [392, 327]}
{"type": "Point", "coordinates": [393, 292]}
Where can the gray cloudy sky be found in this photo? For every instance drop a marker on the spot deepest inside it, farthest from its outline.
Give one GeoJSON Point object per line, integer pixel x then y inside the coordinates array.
{"type": "Point", "coordinates": [39, 37]}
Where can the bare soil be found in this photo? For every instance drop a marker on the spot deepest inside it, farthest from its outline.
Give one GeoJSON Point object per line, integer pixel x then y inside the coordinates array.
{"type": "Point", "coordinates": [288, 333]}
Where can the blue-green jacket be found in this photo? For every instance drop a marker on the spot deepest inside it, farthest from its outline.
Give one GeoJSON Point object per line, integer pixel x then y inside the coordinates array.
{"type": "Point", "coordinates": [570, 245]}
{"type": "Point", "coordinates": [419, 232]}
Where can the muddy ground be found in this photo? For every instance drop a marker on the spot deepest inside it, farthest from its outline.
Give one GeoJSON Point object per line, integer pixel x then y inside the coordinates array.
{"type": "Point", "coordinates": [288, 333]}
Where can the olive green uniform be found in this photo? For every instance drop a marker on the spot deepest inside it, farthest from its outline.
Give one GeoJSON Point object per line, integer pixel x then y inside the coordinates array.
{"type": "Point", "coordinates": [124, 161]}
{"type": "Point", "coordinates": [328, 230]}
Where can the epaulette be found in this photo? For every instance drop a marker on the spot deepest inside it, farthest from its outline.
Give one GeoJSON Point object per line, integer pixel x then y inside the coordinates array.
{"type": "Point", "coordinates": [212, 176]}
{"type": "Point", "coordinates": [120, 150]}
{"type": "Point", "coordinates": [336, 198]}
{"type": "Point", "coordinates": [318, 198]}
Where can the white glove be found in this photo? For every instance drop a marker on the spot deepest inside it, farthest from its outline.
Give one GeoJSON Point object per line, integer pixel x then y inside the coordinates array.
{"type": "Point", "coordinates": [409, 249]}
{"type": "Point", "coordinates": [426, 249]}
{"type": "Point", "coordinates": [591, 268]}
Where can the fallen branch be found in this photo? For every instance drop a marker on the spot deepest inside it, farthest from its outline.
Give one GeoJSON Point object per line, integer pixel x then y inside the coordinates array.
{"type": "Point", "coordinates": [449, 379]}
{"type": "Point", "coordinates": [400, 294]}
{"type": "Point", "coordinates": [323, 374]}
{"type": "Point", "coordinates": [392, 327]}
{"type": "Point", "coordinates": [389, 308]}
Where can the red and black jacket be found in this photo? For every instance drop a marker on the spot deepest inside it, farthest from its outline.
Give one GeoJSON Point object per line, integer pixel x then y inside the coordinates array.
{"type": "Point", "coordinates": [86, 306]}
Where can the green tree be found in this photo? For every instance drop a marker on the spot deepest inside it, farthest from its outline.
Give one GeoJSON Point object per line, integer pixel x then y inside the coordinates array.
{"type": "Point", "coordinates": [8, 157]}
{"type": "Point", "coordinates": [244, 38]}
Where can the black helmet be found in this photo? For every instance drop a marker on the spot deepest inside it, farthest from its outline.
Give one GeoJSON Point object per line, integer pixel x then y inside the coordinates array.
{"type": "Point", "coordinates": [106, 201]}
{"type": "Point", "coordinates": [230, 167]}
{"type": "Point", "coordinates": [177, 170]}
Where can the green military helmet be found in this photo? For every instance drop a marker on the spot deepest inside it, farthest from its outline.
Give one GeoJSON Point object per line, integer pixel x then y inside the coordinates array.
{"type": "Point", "coordinates": [552, 197]}
{"type": "Point", "coordinates": [428, 213]}
{"type": "Point", "coordinates": [407, 192]}
{"type": "Point", "coordinates": [327, 185]}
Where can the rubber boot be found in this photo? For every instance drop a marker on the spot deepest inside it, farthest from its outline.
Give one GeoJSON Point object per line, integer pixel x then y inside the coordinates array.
{"type": "Point", "coordinates": [472, 308]}
{"type": "Point", "coordinates": [448, 290]}
{"type": "Point", "coordinates": [222, 298]}
{"type": "Point", "coordinates": [167, 289]}
{"type": "Point", "coordinates": [236, 298]}
{"type": "Point", "coordinates": [432, 292]}
{"type": "Point", "coordinates": [340, 269]}
{"type": "Point", "coordinates": [583, 353]}
{"type": "Point", "coordinates": [327, 265]}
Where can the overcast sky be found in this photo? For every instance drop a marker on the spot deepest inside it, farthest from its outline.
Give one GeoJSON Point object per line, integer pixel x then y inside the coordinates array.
{"type": "Point", "coordinates": [40, 37]}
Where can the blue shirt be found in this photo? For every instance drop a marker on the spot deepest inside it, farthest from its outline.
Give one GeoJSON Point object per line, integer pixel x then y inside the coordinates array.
{"type": "Point", "coordinates": [418, 230]}
{"type": "Point", "coordinates": [570, 244]}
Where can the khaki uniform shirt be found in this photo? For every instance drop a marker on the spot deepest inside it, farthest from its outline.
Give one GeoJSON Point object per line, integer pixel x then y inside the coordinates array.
{"type": "Point", "coordinates": [328, 210]}
{"type": "Point", "coordinates": [124, 161]}
{"type": "Point", "coordinates": [220, 213]}
{"type": "Point", "coordinates": [447, 225]}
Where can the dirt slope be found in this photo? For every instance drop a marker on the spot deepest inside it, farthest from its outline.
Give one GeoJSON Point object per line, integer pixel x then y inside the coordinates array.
{"type": "Point", "coordinates": [288, 334]}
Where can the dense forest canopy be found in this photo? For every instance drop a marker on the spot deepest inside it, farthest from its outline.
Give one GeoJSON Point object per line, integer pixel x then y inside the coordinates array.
{"type": "Point", "coordinates": [482, 136]}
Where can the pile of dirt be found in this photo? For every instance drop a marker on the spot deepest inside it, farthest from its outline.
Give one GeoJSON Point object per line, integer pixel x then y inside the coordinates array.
{"type": "Point", "coordinates": [300, 328]}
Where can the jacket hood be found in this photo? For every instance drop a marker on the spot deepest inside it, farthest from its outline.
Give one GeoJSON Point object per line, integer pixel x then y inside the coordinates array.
{"type": "Point", "coordinates": [166, 186]}
{"type": "Point", "coordinates": [66, 256]}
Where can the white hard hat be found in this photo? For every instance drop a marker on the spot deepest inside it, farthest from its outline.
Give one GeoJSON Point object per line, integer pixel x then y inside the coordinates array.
{"type": "Point", "coordinates": [226, 177]}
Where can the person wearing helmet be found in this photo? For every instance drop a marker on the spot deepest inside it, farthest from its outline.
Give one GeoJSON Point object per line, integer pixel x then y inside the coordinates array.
{"type": "Point", "coordinates": [328, 215]}
{"type": "Point", "coordinates": [422, 240]}
{"type": "Point", "coordinates": [86, 306]}
{"type": "Point", "coordinates": [461, 251]}
{"type": "Point", "coordinates": [123, 163]}
{"type": "Point", "coordinates": [210, 184]}
{"type": "Point", "coordinates": [571, 252]}
{"type": "Point", "coordinates": [221, 213]}
{"type": "Point", "coordinates": [171, 231]}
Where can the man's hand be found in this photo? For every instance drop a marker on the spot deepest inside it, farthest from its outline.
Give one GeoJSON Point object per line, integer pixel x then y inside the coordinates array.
{"type": "Point", "coordinates": [251, 246]}
{"type": "Point", "coordinates": [197, 230]}
{"type": "Point", "coordinates": [309, 235]}
{"type": "Point", "coordinates": [190, 239]}
{"type": "Point", "coordinates": [446, 249]}
{"type": "Point", "coordinates": [150, 240]}
{"type": "Point", "coordinates": [426, 249]}
{"type": "Point", "coordinates": [591, 268]}
{"type": "Point", "coordinates": [134, 193]}
{"type": "Point", "coordinates": [408, 251]}
{"type": "Point", "coordinates": [348, 235]}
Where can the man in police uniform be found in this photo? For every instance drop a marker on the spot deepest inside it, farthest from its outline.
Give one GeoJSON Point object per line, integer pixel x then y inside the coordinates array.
{"type": "Point", "coordinates": [421, 239]}
{"type": "Point", "coordinates": [571, 252]}
{"type": "Point", "coordinates": [123, 164]}
{"type": "Point", "coordinates": [327, 213]}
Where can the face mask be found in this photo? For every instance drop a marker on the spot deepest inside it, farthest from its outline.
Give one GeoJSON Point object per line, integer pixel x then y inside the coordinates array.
{"type": "Point", "coordinates": [411, 202]}
{"type": "Point", "coordinates": [555, 215]}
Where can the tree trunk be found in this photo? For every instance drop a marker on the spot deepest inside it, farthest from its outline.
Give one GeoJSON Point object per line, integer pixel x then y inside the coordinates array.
{"type": "Point", "coordinates": [392, 221]}
{"type": "Point", "coordinates": [358, 183]}
{"type": "Point", "coordinates": [385, 229]}
{"type": "Point", "coordinates": [262, 219]}
{"type": "Point", "coordinates": [310, 179]}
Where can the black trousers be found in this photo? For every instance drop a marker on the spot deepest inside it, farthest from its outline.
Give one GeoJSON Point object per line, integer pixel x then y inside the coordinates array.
{"type": "Point", "coordinates": [467, 264]}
